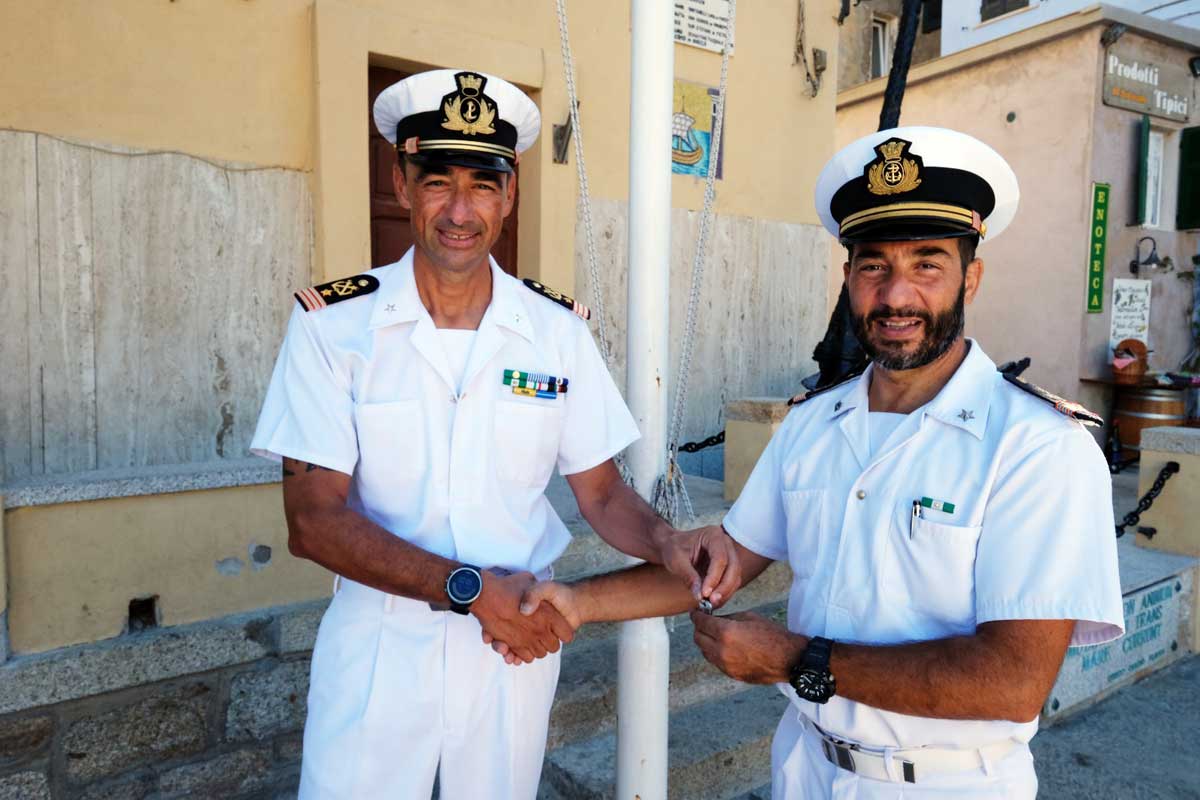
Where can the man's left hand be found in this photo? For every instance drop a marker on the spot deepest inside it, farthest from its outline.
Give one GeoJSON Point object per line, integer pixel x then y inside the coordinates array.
{"type": "Point", "coordinates": [707, 559]}
{"type": "Point", "coordinates": [747, 646]}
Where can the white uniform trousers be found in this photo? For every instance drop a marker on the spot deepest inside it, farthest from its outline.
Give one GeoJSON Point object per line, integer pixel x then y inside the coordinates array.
{"type": "Point", "coordinates": [800, 771]}
{"type": "Point", "coordinates": [398, 689]}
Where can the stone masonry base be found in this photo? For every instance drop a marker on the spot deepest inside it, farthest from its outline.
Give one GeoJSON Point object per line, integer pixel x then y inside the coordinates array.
{"type": "Point", "coordinates": [232, 731]}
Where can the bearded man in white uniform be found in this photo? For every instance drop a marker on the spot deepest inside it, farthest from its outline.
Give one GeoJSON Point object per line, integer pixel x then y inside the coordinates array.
{"type": "Point", "coordinates": [949, 530]}
{"type": "Point", "coordinates": [419, 411]}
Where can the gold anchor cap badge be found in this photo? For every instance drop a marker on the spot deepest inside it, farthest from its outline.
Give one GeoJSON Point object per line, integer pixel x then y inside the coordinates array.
{"type": "Point", "coordinates": [892, 173]}
{"type": "Point", "coordinates": [469, 110]}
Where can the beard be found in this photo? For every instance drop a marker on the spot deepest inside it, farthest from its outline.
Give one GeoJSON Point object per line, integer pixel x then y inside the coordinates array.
{"type": "Point", "coordinates": [941, 331]}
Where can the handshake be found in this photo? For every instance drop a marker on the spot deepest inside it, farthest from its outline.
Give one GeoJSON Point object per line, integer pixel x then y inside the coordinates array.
{"type": "Point", "coordinates": [524, 619]}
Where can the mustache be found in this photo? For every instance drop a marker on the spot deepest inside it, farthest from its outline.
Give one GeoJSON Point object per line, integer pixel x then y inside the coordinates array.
{"type": "Point", "coordinates": [451, 227]}
{"type": "Point", "coordinates": [888, 312]}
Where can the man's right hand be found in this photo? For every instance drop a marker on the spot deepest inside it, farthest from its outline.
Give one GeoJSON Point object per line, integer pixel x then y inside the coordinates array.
{"type": "Point", "coordinates": [527, 637]}
{"type": "Point", "coordinates": [539, 598]}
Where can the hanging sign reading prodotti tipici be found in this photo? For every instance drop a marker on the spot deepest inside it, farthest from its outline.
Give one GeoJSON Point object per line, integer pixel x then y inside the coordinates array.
{"type": "Point", "coordinates": [1134, 82]}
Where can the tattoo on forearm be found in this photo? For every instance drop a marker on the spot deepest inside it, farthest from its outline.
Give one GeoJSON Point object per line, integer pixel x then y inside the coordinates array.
{"type": "Point", "coordinates": [288, 462]}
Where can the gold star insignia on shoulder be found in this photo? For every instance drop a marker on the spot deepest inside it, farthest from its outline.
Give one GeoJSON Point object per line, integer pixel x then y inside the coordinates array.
{"type": "Point", "coordinates": [558, 297]}
{"type": "Point", "coordinates": [324, 294]}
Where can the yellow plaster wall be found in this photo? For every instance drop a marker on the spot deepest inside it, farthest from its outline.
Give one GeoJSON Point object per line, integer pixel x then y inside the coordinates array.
{"type": "Point", "coordinates": [224, 79]}
{"type": "Point", "coordinates": [73, 568]}
{"type": "Point", "coordinates": [284, 82]}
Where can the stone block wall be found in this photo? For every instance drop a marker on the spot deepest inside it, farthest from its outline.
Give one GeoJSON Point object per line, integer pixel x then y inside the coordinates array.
{"type": "Point", "coordinates": [231, 730]}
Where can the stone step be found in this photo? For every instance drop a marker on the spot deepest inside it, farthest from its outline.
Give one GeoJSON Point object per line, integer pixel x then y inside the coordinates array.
{"type": "Point", "coordinates": [586, 701]}
{"type": "Point", "coordinates": [718, 749]}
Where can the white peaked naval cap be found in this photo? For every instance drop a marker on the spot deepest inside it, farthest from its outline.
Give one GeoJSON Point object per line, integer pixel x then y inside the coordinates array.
{"type": "Point", "coordinates": [456, 116]}
{"type": "Point", "coordinates": [913, 183]}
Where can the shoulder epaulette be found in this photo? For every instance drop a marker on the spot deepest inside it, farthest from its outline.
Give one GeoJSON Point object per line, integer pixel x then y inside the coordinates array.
{"type": "Point", "coordinates": [1070, 408]}
{"type": "Point", "coordinates": [568, 303]}
{"type": "Point", "coordinates": [326, 294]}
{"type": "Point", "coordinates": [800, 398]}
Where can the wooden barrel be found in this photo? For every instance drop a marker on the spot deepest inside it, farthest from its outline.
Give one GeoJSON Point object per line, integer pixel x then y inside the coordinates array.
{"type": "Point", "coordinates": [1146, 407]}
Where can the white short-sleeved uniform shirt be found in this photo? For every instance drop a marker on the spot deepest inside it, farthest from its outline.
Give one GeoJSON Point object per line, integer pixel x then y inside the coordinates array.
{"type": "Point", "coordinates": [364, 387]}
{"type": "Point", "coordinates": [1029, 536]}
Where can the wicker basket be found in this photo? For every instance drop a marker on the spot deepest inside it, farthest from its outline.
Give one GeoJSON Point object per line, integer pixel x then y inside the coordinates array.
{"type": "Point", "coordinates": [1134, 371]}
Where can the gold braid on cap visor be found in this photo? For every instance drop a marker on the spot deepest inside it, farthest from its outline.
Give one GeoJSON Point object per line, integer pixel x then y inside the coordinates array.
{"type": "Point", "coordinates": [459, 144]}
{"type": "Point", "coordinates": [914, 210]}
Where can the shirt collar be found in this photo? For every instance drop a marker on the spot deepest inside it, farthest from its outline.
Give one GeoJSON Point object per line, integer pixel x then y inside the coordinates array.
{"type": "Point", "coordinates": [963, 402]}
{"type": "Point", "coordinates": [398, 300]}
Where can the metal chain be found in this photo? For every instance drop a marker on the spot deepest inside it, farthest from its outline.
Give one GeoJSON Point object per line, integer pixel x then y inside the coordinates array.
{"type": "Point", "coordinates": [801, 52]}
{"type": "Point", "coordinates": [1144, 504]}
{"type": "Point", "coordinates": [670, 492]}
{"type": "Point", "coordinates": [695, 447]}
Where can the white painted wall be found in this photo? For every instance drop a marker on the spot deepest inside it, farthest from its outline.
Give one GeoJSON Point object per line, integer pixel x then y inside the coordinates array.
{"type": "Point", "coordinates": [961, 27]}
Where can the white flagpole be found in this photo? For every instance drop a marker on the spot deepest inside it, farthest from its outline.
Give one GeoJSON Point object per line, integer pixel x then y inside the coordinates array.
{"type": "Point", "coordinates": [643, 657]}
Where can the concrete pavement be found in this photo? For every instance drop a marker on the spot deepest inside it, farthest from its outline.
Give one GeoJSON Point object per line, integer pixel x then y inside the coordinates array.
{"type": "Point", "coordinates": [1143, 743]}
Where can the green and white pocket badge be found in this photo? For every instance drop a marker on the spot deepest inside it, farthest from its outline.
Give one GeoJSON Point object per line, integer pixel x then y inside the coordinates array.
{"type": "Point", "coordinates": [944, 506]}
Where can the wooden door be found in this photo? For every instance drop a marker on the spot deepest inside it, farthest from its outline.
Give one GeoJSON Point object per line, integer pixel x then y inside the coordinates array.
{"type": "Point", "coordinates": [391, 234]}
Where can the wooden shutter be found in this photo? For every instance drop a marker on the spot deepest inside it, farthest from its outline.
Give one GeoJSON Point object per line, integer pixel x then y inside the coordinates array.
{"type": "Point", "coordinates": [990, 9]}
{"type": "Point", "coordinates": [1143, 172]}
{"type": "Point", "coordinates": [1187, 213]}
{"type": "Point", "coordinates": [931, 16]}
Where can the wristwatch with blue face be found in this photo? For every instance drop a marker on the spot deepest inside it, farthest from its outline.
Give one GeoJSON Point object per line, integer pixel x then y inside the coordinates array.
{"type": "Point", "coordinates": [463, 588]}
{"type": "Point", "coordinates": [811, 677]}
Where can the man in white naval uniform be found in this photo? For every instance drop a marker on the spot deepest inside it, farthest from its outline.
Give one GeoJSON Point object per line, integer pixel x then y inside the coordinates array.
{"type": "Point", "coordinates": [949, 530]}
{"type": "Point", "coordinates": [419, 411]}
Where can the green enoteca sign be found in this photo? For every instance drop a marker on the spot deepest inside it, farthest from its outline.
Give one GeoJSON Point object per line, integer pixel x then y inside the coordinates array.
{"type": "Point", "coordinates": [1099, 233]}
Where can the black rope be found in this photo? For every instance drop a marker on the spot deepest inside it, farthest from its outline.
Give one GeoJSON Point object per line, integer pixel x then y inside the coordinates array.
{"type": "Point", "coordinates": [906, 37]}
{"type": "Point", "coordinates": [1144, 504]}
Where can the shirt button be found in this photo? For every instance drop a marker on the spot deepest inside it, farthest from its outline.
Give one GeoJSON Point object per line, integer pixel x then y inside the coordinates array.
{"type": "Point", "coordinates": [862, 494]}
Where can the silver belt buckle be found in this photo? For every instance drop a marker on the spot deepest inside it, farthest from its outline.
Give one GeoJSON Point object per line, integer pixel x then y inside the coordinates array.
{"type": "Point", "coordinates": [841, 755]}
{"type": "Point", "coordinates": [838, 754]}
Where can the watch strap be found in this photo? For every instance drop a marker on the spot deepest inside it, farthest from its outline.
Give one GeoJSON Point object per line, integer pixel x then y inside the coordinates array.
{"type": "Point", "coordinates": [817, 654]}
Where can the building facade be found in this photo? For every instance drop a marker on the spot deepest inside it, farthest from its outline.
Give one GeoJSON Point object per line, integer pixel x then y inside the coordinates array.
{"type": "Point", "coordinates": [169, 173]}
{"type": "Point", "coordinates": [975, 22]}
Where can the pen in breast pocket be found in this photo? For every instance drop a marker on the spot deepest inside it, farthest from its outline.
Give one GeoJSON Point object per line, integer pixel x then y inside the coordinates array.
{"type": "Point", "coordinates": [916, 515]}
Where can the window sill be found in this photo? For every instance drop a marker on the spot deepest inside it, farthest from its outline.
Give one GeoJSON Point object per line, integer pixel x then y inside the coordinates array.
{"type": "Point", "coordinates": [105, 484]}
{"type": "Point", "coordinates": [1008, 15]}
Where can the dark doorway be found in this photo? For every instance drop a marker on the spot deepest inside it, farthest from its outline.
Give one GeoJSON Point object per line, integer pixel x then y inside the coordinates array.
{"type": "Point", "coordinates": [391, 235]}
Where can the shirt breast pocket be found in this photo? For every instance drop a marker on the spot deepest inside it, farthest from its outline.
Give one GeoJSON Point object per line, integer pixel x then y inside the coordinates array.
{"type": "Point", "coordinates": [804, 509]}
{"type": "Point", "coordinates": [527, 437]}
{"type": "Point", "coordinates": [934, 565]}
{"type": "Point", "coordinates": [391, 444]}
